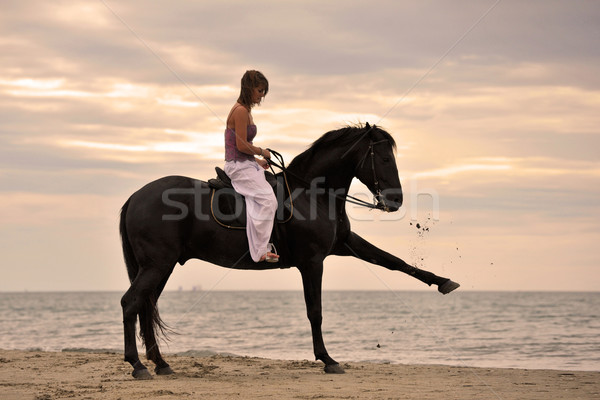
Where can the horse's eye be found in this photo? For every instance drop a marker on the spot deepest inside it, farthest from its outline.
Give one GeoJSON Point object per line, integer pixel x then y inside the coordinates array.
{"type": "Point", "coordinates": [386, 159]}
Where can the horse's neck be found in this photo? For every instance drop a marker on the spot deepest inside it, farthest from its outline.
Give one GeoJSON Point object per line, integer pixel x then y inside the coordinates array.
{"type": "Point", "coordinates": [331, 171]}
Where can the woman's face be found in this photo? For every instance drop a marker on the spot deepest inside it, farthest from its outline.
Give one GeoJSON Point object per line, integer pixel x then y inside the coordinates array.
{"type": "Point", "coordinates": [257, 94]}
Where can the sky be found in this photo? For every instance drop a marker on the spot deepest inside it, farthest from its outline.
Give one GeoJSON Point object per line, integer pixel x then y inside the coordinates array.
{"type": "Point", "coordinates": [494, 106]}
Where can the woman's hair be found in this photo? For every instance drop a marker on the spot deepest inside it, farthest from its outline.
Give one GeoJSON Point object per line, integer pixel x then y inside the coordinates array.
{"type": "Point", "coordinates": [250, 80]}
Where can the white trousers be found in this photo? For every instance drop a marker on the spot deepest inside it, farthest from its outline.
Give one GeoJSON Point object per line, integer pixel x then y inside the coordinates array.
{"type": "Point", "coordinates": [248, 179]}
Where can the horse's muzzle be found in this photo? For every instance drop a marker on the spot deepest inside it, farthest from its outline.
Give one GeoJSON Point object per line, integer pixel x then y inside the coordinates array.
{"type": "Point", "coordinates": [390, 202]}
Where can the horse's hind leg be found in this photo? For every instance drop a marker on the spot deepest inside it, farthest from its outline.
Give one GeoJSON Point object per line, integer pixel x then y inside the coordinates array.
{"type": "Point", "coordinates": [149, 319]}
{"type": "Point", "coordinates": [135, 302]}
{"type": "Point", "coordinates": [130, 302]}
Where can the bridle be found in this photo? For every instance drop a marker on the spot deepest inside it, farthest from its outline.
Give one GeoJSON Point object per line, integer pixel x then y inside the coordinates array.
{"type": "Point", "coordinates": [378, 200]}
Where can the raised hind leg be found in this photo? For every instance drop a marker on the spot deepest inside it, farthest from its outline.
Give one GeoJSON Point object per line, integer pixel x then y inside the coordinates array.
{"type": "Point", "coordinates": [312, 276]}
{"type": "Point", "coordinates": [135, 302]}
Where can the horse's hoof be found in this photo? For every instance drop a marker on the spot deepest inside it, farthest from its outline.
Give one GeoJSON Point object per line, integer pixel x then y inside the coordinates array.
{"type": "Point", "coordinates": [164, 371]}
{"type": "Point", "coordinates": [142, 374]}
{"type": "Point", "coordinates": [448, 286]}
{"type": "Point", "coordinates": [334, 369]}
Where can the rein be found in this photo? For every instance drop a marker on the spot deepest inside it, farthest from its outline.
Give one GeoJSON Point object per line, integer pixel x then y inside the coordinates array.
{"type": "Point", "coordinates": [378, 201]}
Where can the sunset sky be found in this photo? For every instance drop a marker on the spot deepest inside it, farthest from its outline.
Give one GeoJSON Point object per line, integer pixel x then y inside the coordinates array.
{"type": "Point", "coordinates": [494, 106]}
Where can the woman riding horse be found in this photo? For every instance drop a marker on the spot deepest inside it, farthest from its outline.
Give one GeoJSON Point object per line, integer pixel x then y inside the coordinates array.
{"type": "Point", "coordinates": [169, 221]}
{"type": "Point", "coordinates": [246, 171]}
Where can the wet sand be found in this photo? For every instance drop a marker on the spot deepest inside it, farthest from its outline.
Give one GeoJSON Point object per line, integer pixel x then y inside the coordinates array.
{"type": "Point", "coordinates": [68, 375]}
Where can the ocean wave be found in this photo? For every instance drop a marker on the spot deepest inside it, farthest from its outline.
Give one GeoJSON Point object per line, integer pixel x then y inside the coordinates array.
{"type": "Point", "coordinates": [472, 329]}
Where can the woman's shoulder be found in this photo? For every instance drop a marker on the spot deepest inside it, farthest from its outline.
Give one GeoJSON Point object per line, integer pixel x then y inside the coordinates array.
{"type": "Point", "coordinates": [239, 110]}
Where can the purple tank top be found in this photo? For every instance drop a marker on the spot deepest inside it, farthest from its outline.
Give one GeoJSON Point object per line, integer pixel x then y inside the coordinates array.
{"type": "Point", "coordinates": [231, 151]}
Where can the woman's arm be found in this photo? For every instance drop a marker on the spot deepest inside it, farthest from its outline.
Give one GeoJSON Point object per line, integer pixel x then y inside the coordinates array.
{"type": "Point", "coordinates": [240, 121]}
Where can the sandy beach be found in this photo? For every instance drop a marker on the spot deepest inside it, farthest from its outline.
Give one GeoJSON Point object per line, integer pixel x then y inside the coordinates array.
{"type": "Point", "coordinates": [72, 375]}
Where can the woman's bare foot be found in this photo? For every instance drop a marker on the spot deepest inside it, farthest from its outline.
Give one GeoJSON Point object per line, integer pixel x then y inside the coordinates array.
{"type": "Point", "coordinates": [270, 257]}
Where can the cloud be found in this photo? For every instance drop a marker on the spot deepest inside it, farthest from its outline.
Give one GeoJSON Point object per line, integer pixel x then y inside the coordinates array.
{"type": "Point", "coordinates": [445, 172]}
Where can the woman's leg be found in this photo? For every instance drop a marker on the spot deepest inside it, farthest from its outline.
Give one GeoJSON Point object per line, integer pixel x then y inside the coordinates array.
{"type": "Point", "coordinates": [248, 179]}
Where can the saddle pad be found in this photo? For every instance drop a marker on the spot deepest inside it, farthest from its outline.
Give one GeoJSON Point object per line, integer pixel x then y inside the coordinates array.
{"type": "Point", "coordinates": [223, 181]}
{"type": "Point", "coordinates": [228, 207]}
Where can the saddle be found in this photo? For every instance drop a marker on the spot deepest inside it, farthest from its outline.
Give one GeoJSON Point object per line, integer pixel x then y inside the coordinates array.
{"type": "Point", "coordinates": [228, 207]}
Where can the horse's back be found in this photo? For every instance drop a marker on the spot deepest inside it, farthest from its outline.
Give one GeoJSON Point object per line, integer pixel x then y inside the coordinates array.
{"type": "Point", "coordinates": [159, 185]}
{"type": "Point", "coordinates": [161, 209]}
{"type": "Point", "coordinates": [170, 220]}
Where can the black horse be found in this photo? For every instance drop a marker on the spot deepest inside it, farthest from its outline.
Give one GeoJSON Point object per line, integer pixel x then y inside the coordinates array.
{"type": "Point", "coordinates": [169, 221]}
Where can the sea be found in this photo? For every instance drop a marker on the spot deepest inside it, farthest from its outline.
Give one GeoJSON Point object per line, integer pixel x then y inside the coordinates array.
{"type": "Point", "coordinates": [530, 330]}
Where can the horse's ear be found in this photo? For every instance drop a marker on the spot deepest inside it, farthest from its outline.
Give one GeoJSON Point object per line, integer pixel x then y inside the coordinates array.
{"type": "Point", "coordinates": [368, 126]}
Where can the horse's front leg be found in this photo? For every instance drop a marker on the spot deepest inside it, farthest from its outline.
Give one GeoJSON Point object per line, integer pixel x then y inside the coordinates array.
{"type": "Point", "coordinates": [360, 248]}
{"type": "Point", "coordinates": [312, 276]}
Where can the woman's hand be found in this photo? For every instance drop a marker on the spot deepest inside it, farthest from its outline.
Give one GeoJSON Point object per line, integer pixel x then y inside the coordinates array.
{"type": "Point", "coordinates": [266, 153]}
{"type": "Point", "coordinates": [263, 162]}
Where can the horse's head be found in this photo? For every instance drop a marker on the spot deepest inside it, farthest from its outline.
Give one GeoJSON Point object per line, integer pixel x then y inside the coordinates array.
{"type": "Point", "coordinates": [376, 167]}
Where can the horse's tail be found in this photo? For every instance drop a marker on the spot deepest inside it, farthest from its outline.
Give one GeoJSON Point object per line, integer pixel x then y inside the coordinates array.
{"type": "Point", "coordinates": [128, 254]}
{"type": "Point", "coordinates": [150, 321]}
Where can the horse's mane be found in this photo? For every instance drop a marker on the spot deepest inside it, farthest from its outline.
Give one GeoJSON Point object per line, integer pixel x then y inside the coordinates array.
{"type": "Point", "coordinates": [344, 137]}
